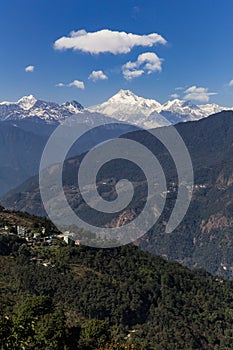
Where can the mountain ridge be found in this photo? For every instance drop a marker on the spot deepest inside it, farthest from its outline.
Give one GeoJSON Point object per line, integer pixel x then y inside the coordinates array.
{"type": "Point", "coordinates": [204, 238]}
{"type": "Point", "coordinates": [29, 106]}
{"type": "Point", "coordinates": [124, 106]}
{"type": "Point", "coordinates": [121, 298]}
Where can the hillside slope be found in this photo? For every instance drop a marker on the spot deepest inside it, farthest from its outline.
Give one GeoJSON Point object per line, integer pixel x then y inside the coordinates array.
{"type": "Point", "coordinates": [204, 238]}
{"type": "Point", "coordinates": [108, 299]}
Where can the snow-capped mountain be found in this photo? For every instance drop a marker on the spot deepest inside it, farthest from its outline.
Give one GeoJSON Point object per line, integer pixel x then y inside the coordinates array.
{"type": "Point", "coordinates": [26, 125]}
{"type": "Point", "coordinates": [127, 102]}
{"type": "Point", "coordinates": [182, 108]}
{"type": "Point", "coordinates": [125, 106]}
{"type": "Point", "coordinates": [128, 107]}
{"type": "Point", "coordinates": [73, 107]}
{"type": "Point", "coordinates": [27, 102]}
{"type": "Point", "coordinates": [182, 111]}
{"type": "Point", "coordinates": [147, 113]}
{"type": "Point", "coordinates": [212, 108]}
{"type": "Point", "coordinates": [29, 106]}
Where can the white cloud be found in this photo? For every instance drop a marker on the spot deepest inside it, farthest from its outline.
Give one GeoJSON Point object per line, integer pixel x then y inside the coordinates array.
{"type": "Point", "coordinates": [97, 75]}
{"type": "Point", "coordinates": [231, 83]}
{"type": "Point", "coordinates": [29, 69]}
{"type": "Point", "coordinates": [147, 62]}
{"type": "Point", "coordinates": [131, 74]}
{"type": "Point", "coordinates": [76, 83]}
{"type": "Point", "coordinates": [153, 62]}
{"type": "Point", "coordinates": [106, 40]}
{"type": "Point", "coordinates": [175, 96]}
{"type": "Point", "coordinates": [198, 94]}
{"type": "Point", "coordinates": [60, 85]}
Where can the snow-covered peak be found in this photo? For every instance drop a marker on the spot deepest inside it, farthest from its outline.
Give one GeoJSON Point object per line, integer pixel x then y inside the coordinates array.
{"type": "Point", "coordinates": [73, 107]}
{"type": "Point", "coordinates": [124, 95]}
{"type": "Point", "coordinates": [177, 103]}
{"type": "Point", "coordinates": [212, 108]}
{"type": "Point", "coordinates": [127, 107]}
{"type": "Point", "coordinates": [27, 102]}
{"type": "Point", "coordinates": [7, 103]}
{"type": "Point", "coordinates": [172, 104]}
{"type": "Point", "coordinates": [181, 111]}
{"type": "Point", "coordinates": [30, 107]}
{"type": "Point", "coordinates": [124, 106]}
{"type": "Point", "coordinates": [128, 97]}
{"type": "Point", "coordinates": [130, 108]}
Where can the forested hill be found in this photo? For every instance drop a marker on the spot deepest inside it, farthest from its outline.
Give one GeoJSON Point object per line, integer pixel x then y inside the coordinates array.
{"type": "Point", "coordinates": [61, 297]}
{"type": "Point", "coordinates": [204, 238]}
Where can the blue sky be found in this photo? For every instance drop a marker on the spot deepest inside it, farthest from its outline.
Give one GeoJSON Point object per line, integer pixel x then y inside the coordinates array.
{"type": "Point", "coordinates": [198, 55]}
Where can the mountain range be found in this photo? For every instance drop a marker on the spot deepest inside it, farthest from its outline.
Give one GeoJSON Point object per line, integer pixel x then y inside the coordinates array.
{"type": "Point", "coordinates": [147, 113]}
{"type": "Point", "coordinates": [124, 106]}
{"type": "Point", "coordinates": [204, 238]}
{"type": "Point", "coordinates": [29, 106]}
{"type": "Point", "coordinates": [26, 125]}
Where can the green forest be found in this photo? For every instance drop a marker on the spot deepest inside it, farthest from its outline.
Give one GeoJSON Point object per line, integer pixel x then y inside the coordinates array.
{"type": "Point", "coordinates": [79, 298]}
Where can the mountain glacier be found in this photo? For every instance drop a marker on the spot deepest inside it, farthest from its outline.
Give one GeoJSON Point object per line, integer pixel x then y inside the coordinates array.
{"type": "Point", "coordinates": [147, 113]}
{"type": "Point", "coordinates": [30, 107]}
{"type": "Point", "coordinates": [124, 106]}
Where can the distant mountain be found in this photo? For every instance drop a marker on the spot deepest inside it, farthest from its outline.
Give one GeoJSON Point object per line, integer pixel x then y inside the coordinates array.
{"type": "Point", "coordinates": [125, 106]}
{"type": "Point", "coordinates": [29, 106]}
{"type": "Point", "coordinates": [204, 238]}
{"type": "Point", "coordinates": [26, 126]}
{"type": "Point", "coordinates": [20, 151]}
{"type": "Point", "coordinates": [128, 107]}
{"type": "Point", "coordinates": [146, 113]}
{"type": "Point", "coordinates": [182, 111]}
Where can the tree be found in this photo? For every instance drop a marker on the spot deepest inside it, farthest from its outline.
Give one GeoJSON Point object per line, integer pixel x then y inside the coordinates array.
{"type": "Point", "coordinates": [94, 333]}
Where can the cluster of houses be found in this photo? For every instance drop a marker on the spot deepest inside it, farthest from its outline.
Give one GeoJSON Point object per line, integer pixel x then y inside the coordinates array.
{"type": "Point", "coordinates": [39, 238]}
{"type": "Point", "coordinates": [69, 238]}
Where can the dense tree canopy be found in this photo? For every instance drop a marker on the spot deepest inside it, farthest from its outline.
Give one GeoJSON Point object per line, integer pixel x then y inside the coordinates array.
{"type": "Point", "coordinates": [108, 299]}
